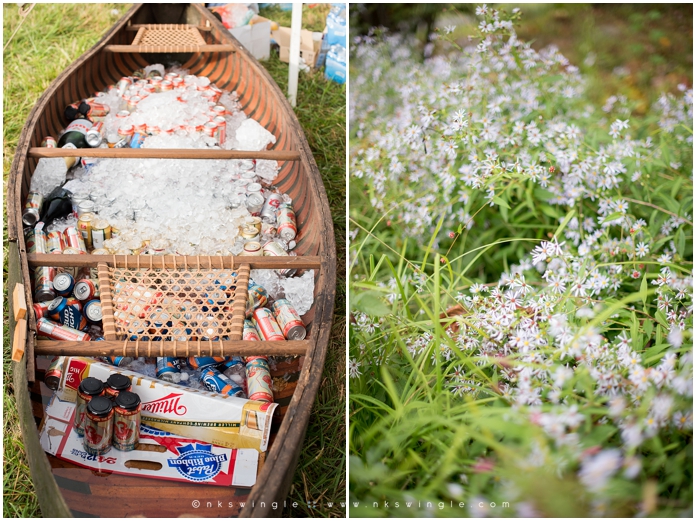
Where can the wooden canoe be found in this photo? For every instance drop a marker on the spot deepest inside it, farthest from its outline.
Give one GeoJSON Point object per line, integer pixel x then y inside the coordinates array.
{"type": "Point", "coordinates": [64, 489]}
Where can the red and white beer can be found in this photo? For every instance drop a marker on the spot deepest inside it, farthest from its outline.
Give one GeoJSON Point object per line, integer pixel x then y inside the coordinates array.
{"type": "Point", "coordinates": [56, 331]}
{"type": "Point", "coordinates": [266, 324]}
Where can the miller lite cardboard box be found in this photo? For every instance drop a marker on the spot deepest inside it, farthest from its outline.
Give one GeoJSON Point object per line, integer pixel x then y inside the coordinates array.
{"type": "Point", "coordinates": [158, 454]}
{"type": "Point", "coordinates": [227, 421]}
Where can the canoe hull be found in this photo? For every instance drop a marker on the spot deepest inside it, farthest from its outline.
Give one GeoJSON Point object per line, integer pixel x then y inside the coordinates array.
{"type": "Point", "coordinates": [65, 489]}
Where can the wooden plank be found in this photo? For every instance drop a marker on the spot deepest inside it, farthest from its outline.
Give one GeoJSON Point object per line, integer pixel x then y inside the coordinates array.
{"type": "Point", "coordinates": [19, 302]}
{"type": "Point", "coordinates": [19, 340]}
{"type": "Point", "coordinates": [136, 27]}
{"type": "Point", "coordinates": [165, 153]}
{"type": "Point", "coordinates": [172, 261]}
{"type": "Point", "coordinates": [170, 48]}
{"type": "Point", "coordinates": [171, 348]}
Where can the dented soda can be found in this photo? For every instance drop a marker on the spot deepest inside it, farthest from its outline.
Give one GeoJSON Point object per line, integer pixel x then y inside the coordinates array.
{"type": "Point", "coordinates": [267, 326]}
{"type": "Point", "coordinates": [89, 388]}
{"type": "Point", "coordinates": [99, 426]}
{"type": "Point", "coordinates": [126, 421]}
{"type": "Point", "coordinates": [289, 321]}
{"type": "Point", "coordinates": [259, 381]}
{"type": "Point", "coordinates": [45, 327]}
{"type": "Point", "coordinates": [217, 382]}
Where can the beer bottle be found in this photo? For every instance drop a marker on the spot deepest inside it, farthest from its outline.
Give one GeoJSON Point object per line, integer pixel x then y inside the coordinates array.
{"type": "Point", "coordinates": [75, 133]}
{"type": "Point", "coordinates": [56, 205]}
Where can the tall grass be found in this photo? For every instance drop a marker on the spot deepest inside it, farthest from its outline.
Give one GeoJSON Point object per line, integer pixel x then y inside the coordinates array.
{"type": "Point", "coordinates": [521, 319]}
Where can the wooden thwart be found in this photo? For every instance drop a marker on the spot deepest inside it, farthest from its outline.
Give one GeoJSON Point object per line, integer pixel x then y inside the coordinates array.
{"type": "Point", "coordinates": [170, 48]}
{"type": "Point", "coordinates": [170, 348]}
{"type": "Point", "coordinates": [165, 153]}
{"type": "Point", "coordinates": [169, 261]}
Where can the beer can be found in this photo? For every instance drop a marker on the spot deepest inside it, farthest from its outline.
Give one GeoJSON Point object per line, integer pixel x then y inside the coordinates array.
{"type": "Point", "coordinates": [216, 382]}
{"type": "Point", "coordinates": [233, 365]}
{"type": "Point", "coordinates": [254, 203]}
{"type": "Point", "coordinates": [66, 314]}
{"type": "Point", "coordinates": [95, 135]}
{"type": "Point", "coordinates": [54, 242]}
{"type": "Point", "coordinates": [221, 128]}
{"type": "Point", "coordinates": [257, 296]}
{"type": "Point", "coordinates": [211, 129]}
{"type": "Point", "coordinates": [36, 242]}
{"type": "Point", "coordinates": [85, 290]}
{"type": "Point", "coordinates": [249, 232]}
{"type": "Point", "coordinates": [250, 333]}
{"type": "Point", "coordinates": [41, 309]}
{"type": "Point", "coordinates": [99, 427]}
{"type": "Point", "coordinates": [63, 284]}
{"type": "Point", "coordinates": [267, 326]}
{"type": "Point", "coordinates": [123, 84]}
{"type": "Point", "coordinates": [73, 239]}
{"type": "Point", "coordinates": [259, 381]}
{"type": "Point", "coordinates": [84, 225]}
{"type": "Point", "coordinates": [204, 362]}
{"type": "Point", "coordinates": [270, 206]}
{"type": "Point", "coordinates": [167, 366]}
{"type": "Point", "coordinates": [252, 249]}
{"type": "Point", "coordinates": [32, 209]}
{"type": "Point", "coordinates": [126, 421]}
{"type": "Point", "coordinates": [93, 311]}
{"type": "Point", "coordinates": [50, 329]}
{"type": "Point", "coordinates": [85, 206]}
{"type": "Point", "coordinates": [273, 249]}
{"type": "Point", "coordinates": [116, 384]}
{"type": "Point", "coordinates": [137, 140]}
{"type": "Point", "coordinates": [287, 225]}
{"type": "Point", "coordinates": [101, 231]}
{"type": "Point", "coordinates": [43, 283]}
{"type": "Point", "coordinates": [54, 373]}
{"type": "Point", "coordinates": [288, 320]}
{"type": "Point", "coordinates": [89, 388]}
{"type": "Point", "coordinates": [97, 111]}
{"type": "Point", "coordinates": [118, 361]}
{"type": "Point", "coordinates": [49, 142]}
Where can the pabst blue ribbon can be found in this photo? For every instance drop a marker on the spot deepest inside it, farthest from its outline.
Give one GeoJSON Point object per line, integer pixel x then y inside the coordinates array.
{"type": "Point", "coordinates": [259, 381]}
{"type": "Point", "coordinates": [126, 421]}
{"type": "Point", "coordinates": [89, 388]}
{"type": "Point", "coordinates": [217, 382]}
{"type": "Point", "coordinates": [289, 321]}
{"type": "Point", "coordinates": [99, 426]}
{"type": "Point", "coordinates": [267, 325]}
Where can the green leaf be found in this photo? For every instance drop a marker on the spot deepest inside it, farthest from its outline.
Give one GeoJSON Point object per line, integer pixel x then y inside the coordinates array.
{"type": "Point", "coordinates": [565, 222]}
{"type": "Point", "coordinates": [648, 327]}
{"type": "Point", "coordinates": [371, 304]}
{"type": "Point", "coordinates": [662, 319]}
{"type": "Point", "coordinates": [542, 194]}
{"type": "Point", "coordinates": [550, 211]}
{"type": "Point", "coordinates": [504, 213]}
{"type": "Point", "coordinates": [644, 289]}
{"type": "Point", "coordinates": [501, 202]}
{"type": "Point", "coordinates": [613, 216]}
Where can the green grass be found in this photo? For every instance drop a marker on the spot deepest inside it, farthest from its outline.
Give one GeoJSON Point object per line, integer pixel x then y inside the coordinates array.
{"type": "Point", "coordinates": [50, 39]}
{"type": "Point", "coordinates": [313, 16]}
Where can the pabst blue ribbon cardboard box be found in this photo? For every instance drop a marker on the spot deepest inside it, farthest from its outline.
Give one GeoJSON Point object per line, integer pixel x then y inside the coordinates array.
{"type": "Point", "coordinates": [159, 454]}
{"type": "Point", "coordinates": [227, 421]}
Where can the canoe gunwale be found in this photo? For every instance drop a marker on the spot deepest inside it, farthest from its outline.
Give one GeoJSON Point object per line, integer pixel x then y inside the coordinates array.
{"type": "Point", "coordinates": [274, 480]}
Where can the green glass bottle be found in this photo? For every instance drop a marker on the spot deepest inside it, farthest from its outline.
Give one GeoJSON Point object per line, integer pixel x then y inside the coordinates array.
{"type": "Point", "coordinates": [75, 133]}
